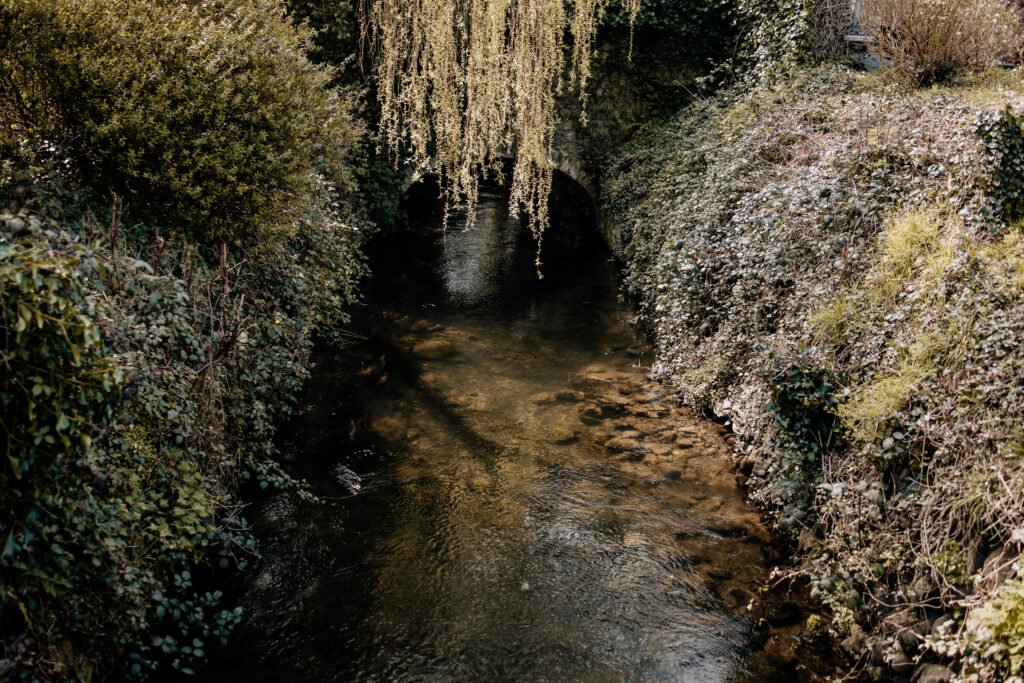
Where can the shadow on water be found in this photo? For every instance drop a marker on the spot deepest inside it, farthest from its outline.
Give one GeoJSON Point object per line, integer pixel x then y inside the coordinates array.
{"type": "Point", "coordinates": [530, 506]}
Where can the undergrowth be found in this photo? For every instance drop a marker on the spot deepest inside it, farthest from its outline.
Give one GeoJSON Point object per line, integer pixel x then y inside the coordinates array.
{"type": "Point", "coordinates": [847, 249]}
{"type": "Point", "coordinates": [177, 222]}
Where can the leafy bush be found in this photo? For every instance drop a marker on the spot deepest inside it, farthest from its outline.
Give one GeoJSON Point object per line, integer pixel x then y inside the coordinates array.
{"type": "Point", "coordinates": [777, 33]}
{"type": "Point", "coordinates": [804, 402]}
{"type": "Point", "coordinates": [147, 363]}
{"type": "Point", "coordinates": [931, 40]}
{"type": "Point", "coordinates": [207, 117]}
{"type": "Point", "coordinates": [58, 386]}
{"type": "Point", "coordinates": [694, 31]}
{"type": "Point", "coordinates": [150, 391]}
{"type": "Point", "coordinates": [105, 492]}
{"type": "Point", "coordinates": [336, 25]}
{"type": "Point", "coordinates": [774, 36]}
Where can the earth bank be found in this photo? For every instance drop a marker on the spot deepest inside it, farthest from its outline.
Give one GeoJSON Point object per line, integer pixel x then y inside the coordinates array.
{"type": "Point", "coordinates": [831, 265]}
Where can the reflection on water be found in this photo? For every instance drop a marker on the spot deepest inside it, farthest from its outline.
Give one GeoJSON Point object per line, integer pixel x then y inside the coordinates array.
{"type": "Point", "coordinates": [475, 263]}
{"type": "Point", "coordinates": [532, 508]}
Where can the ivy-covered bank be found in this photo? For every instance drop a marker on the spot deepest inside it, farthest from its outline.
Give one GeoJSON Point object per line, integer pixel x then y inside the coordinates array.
{"type": "Point", "coordinates": [835, 265]}
{"type": "Point", "coordinates": [177, 222]}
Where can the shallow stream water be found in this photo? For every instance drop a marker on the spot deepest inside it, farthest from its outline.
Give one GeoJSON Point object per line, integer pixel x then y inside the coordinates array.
{"type": "Point", "coordinates": [530, 506]}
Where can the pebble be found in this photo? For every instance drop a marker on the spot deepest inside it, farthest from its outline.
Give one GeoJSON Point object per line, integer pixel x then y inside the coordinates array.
{"type": "Point", "coordinates": [563, 438]}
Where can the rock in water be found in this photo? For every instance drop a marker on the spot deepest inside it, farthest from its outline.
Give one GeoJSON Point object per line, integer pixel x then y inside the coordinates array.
{"type": "Point", "coordinates": [435, 349]}
{"type": "Point", "coordinates": [349, 479]}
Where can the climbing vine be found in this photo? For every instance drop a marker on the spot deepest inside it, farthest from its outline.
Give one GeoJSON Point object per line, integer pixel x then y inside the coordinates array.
{"type": "Point", "coordinates": [1003, 135]}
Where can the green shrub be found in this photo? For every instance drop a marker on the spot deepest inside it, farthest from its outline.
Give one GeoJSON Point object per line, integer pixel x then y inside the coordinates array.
{"type": "Point", "coordinates": [98, 511]}
{"type": "Point", "coordinates": [132, 423]}
{"type": "Point", "coordinates": [804, 401]}
{"type": "Point", "coordinates": [146, 369]}
{"type": "Point", "coordinates": [696, 31]}
{"type": "Point", "coordinates": [775, 35]}
{"type": "Point", "coordinates": [207, 117]}
{"type": "Point", "coordinates": [57, 387]}
{"type": "Point", "coordinates": [336, 24]}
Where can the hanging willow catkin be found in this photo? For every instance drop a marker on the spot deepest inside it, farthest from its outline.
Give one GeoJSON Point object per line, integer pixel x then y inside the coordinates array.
{"type": "Point", "coordinates": [465, 83]}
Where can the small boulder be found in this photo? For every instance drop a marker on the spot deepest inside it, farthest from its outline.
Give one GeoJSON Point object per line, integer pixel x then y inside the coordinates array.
{"type": "Point", "coordinates": [562, 435]}
{"type": "Point", "coordinates": [942, 624]}
{"type": "Point", "coordinates": [933, 673]}
{"type": "Point", "coordinates": [624, 444]}
{"type": "Point", "coordinates": [389, 428]}
{"type": "Point", "coordinates": [724, 528]}
{"type": "Point", "coordinates": [633, 539]}
{"type": "Point", "coordinates": [902, 663]}
{"type": "Point", "coordinates": [997, 568]}
{"type": "Point", "coordinates": [784, 614]}
{"type": "Point", "coordinates": [434, 349]}
{"type": "Point", "coordinates": [720, 573]}
{"type": "Point", "coordinates": [854, 644]}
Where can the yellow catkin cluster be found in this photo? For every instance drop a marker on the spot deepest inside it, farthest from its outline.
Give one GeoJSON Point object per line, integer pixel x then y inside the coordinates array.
{"type": "Point", "coordinates": [465, 83]}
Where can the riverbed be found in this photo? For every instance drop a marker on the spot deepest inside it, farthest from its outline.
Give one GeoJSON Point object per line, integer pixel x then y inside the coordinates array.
{"type": "Point", "coordinates": [506, 495]}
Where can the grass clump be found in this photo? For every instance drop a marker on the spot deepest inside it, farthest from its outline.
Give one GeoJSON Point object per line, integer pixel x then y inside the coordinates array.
{"type": "Point", "coordinates": [832, 321]}
{"type": "Point", "coordinates": [871, 404]}
{"type": "Point", "coordinates": [910, 242]}
{"type": "Point", "coordinates": [915, 249]}
{"type": "Point", "coordinates": [1004, 262]}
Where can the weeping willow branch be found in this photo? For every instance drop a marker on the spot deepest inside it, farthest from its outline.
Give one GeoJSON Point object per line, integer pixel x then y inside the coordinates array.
{"type": "Point", "coordinates": [464, 83]}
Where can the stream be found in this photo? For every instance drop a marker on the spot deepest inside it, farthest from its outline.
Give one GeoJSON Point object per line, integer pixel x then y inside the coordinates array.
{"type": "Point", "coordinates": [507, 496]}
